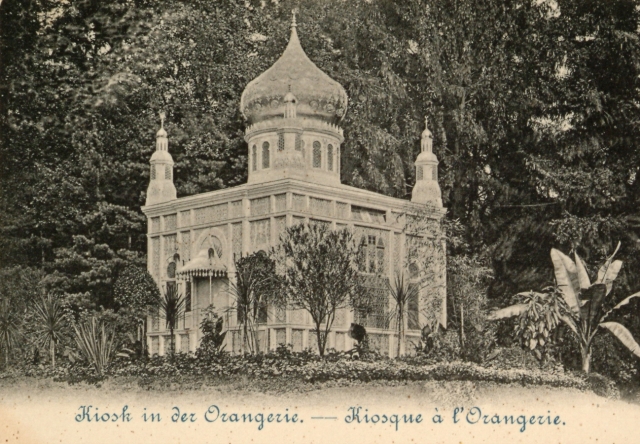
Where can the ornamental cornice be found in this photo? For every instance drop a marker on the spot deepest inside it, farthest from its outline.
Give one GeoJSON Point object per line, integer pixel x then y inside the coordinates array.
{"type": "Point", "coordinates": [274, 125]}
{"type": "Point", "coordinates": [341, 192]}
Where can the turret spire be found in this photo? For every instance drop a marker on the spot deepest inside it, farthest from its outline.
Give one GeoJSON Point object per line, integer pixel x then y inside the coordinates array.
{"type": "Point", "coordinates": [426, 144]}
{"type": "Point", "coordinates": [162, 143]}
{"type": "Point", "coordinates": [161, 187]}
{"type": "Point", "coordinates": [427, 190]}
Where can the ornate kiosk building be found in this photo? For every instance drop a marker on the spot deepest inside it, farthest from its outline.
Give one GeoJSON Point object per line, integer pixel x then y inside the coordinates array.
{"type": "Point", "coordinates": [293, 111]}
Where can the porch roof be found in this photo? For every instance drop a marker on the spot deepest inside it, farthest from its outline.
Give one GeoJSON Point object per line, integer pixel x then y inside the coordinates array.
{"type": "Point", "coordinates": [205, 264]}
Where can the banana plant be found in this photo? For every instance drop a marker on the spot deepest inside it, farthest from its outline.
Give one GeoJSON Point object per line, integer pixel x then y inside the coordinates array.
{"type": "Point", "coordinates": [586, 314]}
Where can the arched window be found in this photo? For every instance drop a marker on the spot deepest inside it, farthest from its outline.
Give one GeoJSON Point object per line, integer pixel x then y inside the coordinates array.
{"type": "Point", "coordinates": [330, 157]}
{"type": "Point", "coordinates": [281, 142]}
{"type": "Point", "coordinates": [434, 173]}
{"type": "Point", "coordinates": [171, 270]}
{"type": "Point", "coordinates": [254, 158]}
{"type": "Point", "coordinates": [167, 172]}
{"type": "Point", "coordinates": [317, 154]}
{"type": "Point", "coordinates": [381, 259]}
{"type": "Point", "coordinates": [371, 254]}
{"type": "Point", "coordinates": [187, 296]}
{"type": "Point", "coordinates": [362, 254]}
{"type": "Point", "coordinates": [419, 175]}
{"type": "Point", "coordinates": [217, 246]}
{"type": "Point", "coordinates": [265, 155]}
{"type": "Point", "coordinates": [153, 172]}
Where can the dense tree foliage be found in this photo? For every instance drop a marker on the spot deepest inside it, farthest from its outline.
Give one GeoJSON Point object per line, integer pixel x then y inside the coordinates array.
{"type": "Point", "coordinates": [533, 106]}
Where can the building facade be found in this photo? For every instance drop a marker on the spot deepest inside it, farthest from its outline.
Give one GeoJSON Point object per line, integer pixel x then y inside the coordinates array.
{"type": "Point", "coordinates": [293, 136]}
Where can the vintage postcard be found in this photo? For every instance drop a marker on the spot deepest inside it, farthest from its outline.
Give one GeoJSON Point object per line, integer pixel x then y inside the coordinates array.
{"type": "Point", "coordinates": [319, 221]}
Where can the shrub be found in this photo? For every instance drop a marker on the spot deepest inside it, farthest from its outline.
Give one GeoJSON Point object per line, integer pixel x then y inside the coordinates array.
{"type": "Point", "coordinates": [212, 342]}
{"type": "Point", "coordinates": [602, 386]}
{"type": "Point", "coordinates": [95, 343]}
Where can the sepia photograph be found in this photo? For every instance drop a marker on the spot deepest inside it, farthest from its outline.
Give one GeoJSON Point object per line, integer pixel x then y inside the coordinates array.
{"type": "Point", "coordinates": [319, 221]}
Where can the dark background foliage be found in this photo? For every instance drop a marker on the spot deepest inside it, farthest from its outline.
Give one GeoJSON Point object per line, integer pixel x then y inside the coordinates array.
{"type": "Point", "coordinates": [533, 106]}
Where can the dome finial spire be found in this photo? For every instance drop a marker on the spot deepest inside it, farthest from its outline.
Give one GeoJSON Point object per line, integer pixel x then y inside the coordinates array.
{"type": "Point", "coordinates": [162, 143]}
{"type": "Point", "coordinates": [294, 25]}
{"type": "Point", "coordinates": [427, 138]}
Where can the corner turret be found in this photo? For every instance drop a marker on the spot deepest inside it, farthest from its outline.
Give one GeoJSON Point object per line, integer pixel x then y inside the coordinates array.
{"type": "Point", "coordinates": [427, 190]}
{"type": "Point", "coordinates": [161, 188]}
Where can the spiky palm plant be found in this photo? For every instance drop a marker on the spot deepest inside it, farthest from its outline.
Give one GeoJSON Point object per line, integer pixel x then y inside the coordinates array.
{"type": "Point", "coordinates": [401, 292]}
{"type": "Point", "coordinates": [173, 305]}
{"type": "Point", "coordinates": [10, 328]}
{"type": "Point", "coordinates": [252, 290]}
{"type": "Point", "coordinates": [95, 340]}
{"type": "Point", "coordinates": [50, 323]}
{"type": "Point", "coordinates": [585, 300]}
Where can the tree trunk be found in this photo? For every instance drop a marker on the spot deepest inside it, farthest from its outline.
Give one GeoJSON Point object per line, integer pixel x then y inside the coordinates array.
{"type": "Point", "coordinates": [461, 327]}
{"type": "Point", "coordinates": [143, 340]}
{"type": "Point", "coordinates": [172, 345]}
{"type": "Point", "coordinates": [256, 342]}
{"type": "Point", "coordinates": [52, 352]}
{"type": "Point", "coordinates": [400, 331]}
{"type": "Point", "coordinates": [247, 341]}
{"type": "Point", "coordinates": [320, 343]}
{"type": "Point", "coordinates": [585, 353]}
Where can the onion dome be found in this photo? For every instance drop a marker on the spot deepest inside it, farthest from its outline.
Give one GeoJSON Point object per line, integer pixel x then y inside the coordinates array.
{"type": "Point", "coordinates": [318, 95]}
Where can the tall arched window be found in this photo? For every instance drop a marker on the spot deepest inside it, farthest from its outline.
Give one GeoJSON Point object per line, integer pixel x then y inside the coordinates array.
{"type": "Point", "coordinates": [380, 255]}
{"type": "Point", "coordinates": [330, 157]}
{"type": "Point", "coordinates": [254, 158]}
{"type": "Point", "coordinates": [280, 142]}
{"type": "Point", "coordinates": [171, 270]}
{"type": "Point", "coordinates": [362, 254]}
{"type": "Point", "coordinates": [372, 254]}
{"type": "Point", "coordinates": [265, 155]}
{"type": "Point", "coordinates": [418, 173]}
{"type": "Point", "coordinates": [153, 172]}
{"type": "Point", "coordinates": [317, 154]}
{"type": "Point", "coordinates": [187, 296]}
{"type": "Point", "coordinates": [434, 173]}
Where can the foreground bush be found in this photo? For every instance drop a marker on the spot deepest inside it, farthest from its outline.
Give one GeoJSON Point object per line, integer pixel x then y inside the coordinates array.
{"type": "Point", "coordinates": [305, 367]}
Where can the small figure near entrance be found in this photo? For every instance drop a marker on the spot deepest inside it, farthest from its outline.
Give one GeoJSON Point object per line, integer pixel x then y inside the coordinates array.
{"type": "Point", "coordinates": [359, 333]}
